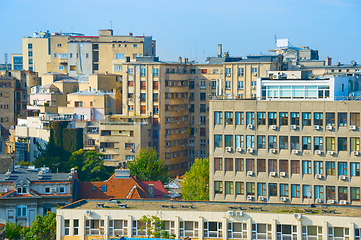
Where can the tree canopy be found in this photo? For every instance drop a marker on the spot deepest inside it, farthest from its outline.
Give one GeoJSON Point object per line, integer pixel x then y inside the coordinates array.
{"type": "Point", "coordinates": [13, 230]}
{"type": "Point", "coordinates": [42, 228]}
{"type": "Point", "coordinates": [148, 167]}
{"type": "Point", "coordinates": [196, 180]}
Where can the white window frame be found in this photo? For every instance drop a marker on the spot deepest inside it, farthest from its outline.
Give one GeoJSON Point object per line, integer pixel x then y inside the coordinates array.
{"type": "Point", "coordinates": [123, 231]}
{"type": "Point", "coordinates": [232, 234]}
{"type": "Point", "coordinates": [331, 233]}
{"type": "Point", "coordinates": [292, 235]}
{"type": "Point", "coordinates": [305, 231]}
{"type": "Point", "coordinates": [66, 228]}
{"type": "Point", "coordinates": [212, 234]}
{"type": "Point", "coordinates": [186, 232]}
{"type": "Point", "coordinates": [256, 235]}
{"type": "Point", "coordinates": [89, 231]}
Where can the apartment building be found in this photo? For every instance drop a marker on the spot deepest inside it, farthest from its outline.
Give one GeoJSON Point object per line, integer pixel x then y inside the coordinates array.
{"type": "Point", "coordinates": [99, 219]}
{"type": "Point", "coordinates": [298, 142]}
{"type": "Point", "coordinates": [27, 192]}
{"type": "Point", "coordinates": [76, 54]}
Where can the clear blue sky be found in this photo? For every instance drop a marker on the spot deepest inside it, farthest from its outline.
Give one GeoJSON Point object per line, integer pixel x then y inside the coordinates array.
{"type": "Point", "coordinates": [194, 28]}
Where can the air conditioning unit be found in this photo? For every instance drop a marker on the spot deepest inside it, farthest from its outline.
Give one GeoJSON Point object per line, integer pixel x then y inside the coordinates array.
{"type": "Point", "coordinates": [353, 127]}
{"type": "Point", "coordinates": [316, 127]}
{"type": "Point", "coordinates": [228, 74]}
{"type": "Point", "coordinates": [343, 177]}
{"type": "Point", "coordinates": [330, 152]}
{"type": "Point", "coordinates": [250, 126]}
{"type": "Point", "coordinates": [295, 151]}
{"type": "Point", "coordinates": [239, 213]}
{"type": "Point", "coordinates": [331, 201]}
{"type": "Point", "coordinates": [356, 153]}
{"type": "Point", "coordinates": [318, 152]}
{"type": "Point", "coordinates": [329, 127]}
{"type": "Point", "coordinates": [272, 174]}
{"type": "Point", "coordinates": [250, 173]}
{"type": "Point", "coordinates": [343, 202]}
{"type": "Point", "coordinates": [239, 149]}
{"type": "Point", "coordinates": [273, 150]}
{"type": "Point", "coordinates": [230, 213]}
{"type": "Point", "coordinates": [53, 190]}
{"type": "Point", "coordinates": [293, 127]}
{"type": "Point", "coordinates": [253, 87]}
{"type": "Point", "coordinates": [261, 198]}
{"type": "Point", "coordinates": [319, 176]}
{"type": "Point", "coordinates": [87, 212]}
{"type": "Point", "coordinates": [249, 197]}
{"type": "Point", "coordinates": [318, 200]}
{"type": "Point", "coordinates": [255, 74]}
{"type": "Point", "coordinates": [250, 150]}
{"type": "Point", "coordinates": [283, 174]}
{"type": "Point", "coordinates": [283, 199]}
{"type": "Point", "coordinates": [273, 127]}
{"type": "Point", "coordinates": [297, 215]}
{"type": "Point", "coordinates": [228, 149]}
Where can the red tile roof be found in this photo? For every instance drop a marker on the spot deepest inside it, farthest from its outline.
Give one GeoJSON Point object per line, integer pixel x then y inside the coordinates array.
{"type": "Point", "coordinates": [117, 188]}
{"type": "Point", "coordinates": [159, 189]}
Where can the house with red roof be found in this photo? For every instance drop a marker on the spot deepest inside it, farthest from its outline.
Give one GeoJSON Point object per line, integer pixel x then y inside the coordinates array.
{"type": "Point", "coordinates": [121, 185]}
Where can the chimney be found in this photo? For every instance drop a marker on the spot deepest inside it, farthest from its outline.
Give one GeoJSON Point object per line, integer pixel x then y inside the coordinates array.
{"type": "Point", "coordinates": [219, 50]}
{"type": "Point", "coordinates": [180, 60]}
{"type": "Point", "coordinates": [151, 190]}
{"type": "Point", "coordinates": [328, 61]}
{"type": "Point", "coordinates": [186, 60]}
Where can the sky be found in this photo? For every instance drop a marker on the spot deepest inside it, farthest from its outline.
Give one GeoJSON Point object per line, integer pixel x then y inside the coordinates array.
{"type": "Point", "coordinates": [193, 29]}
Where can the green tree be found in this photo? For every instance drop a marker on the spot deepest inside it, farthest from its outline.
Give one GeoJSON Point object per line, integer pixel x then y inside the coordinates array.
{"type": "Point", "coordinates": [13, 230]}
{"type": "Point", "coordinates": [154, 227]}
{"type": "Point", "coordinates": [148, 167]}
{"type": "Point", "coordinates": [90, 166]}
{"type": "Point", "coordinates": [196, 180]}
{"type": "Point", "coordinates": [42, 228]}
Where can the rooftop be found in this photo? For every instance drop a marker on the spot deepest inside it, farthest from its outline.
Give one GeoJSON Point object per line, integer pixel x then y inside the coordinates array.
{"type": "Point", "coordinates": [141, 204]}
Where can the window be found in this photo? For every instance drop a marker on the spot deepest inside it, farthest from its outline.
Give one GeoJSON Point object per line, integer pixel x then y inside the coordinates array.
{"type": "Point", "coordinates": [295, 166]}
{"type": "Point", "coordinates": [250, 164]}
{"type": "Point", "coordinates": [218, 164]}
{"type": "Point", "coordinates": [342, 193]}
{"type": "Point", "coordinates": [355, 169]}
{"type": "Point", "coordinates": [227, 85]}
{"type": "Point", "coordinates": [261, 118]}
{"type": "Point", "coordinates": [239, 165]}
{"type": "Point", "coordinates": [66, 227]}
{"type": "Point", "coordinates": [330, 119]}
{"type": "Point", "coordinates": [72, 67]}
{"type": "Point", "coordinates": [261, 142]}
{"type": "Point", "coordinates": [250, 188]}
{"type": "Point", "coordinates": [283, 142]}
{"type": "Point", "coordinates": [295, 118]}
{"type": "Point", "coordinates": [94, 227]}
{"type": "Point", "coordinates": [284, 190]}
{"type": "Point", "coordinates": [239, 118]}
{"type": "Point", "coordinates": [212, 229]}
{"type": "Point", "coordinates": [318, 167]}
{"type": "Point", "coordinates": [155, 97]}
{"type": "Point", "coordinates": [355, 119]}
{"type": "Point", "coordinates": [54, 55]}
{"type": "Point", "coordinates": [155, 72]}
{"type": "Point", "coordinates": [306, 143]}
{"type": "Point", "coordinates": [355, 194]}
{"type": "Point", "coordinates": [318, 119]}
{"type": "Point", "coordinates": [283, 166]}
{"type": "Point", "coordinates": [188, 229]}
{"type": "Point", "coordinates": [250, 141]}
{"type": "Point", "coordinates": [23, 190]}
{"type": "Point", "coordinates": [272, 142]}
{"type": "Point", "coordinates": [237, 230]}
{"type": "Point", "coordinates": [143, 109]}
{"type": "Point", "coordinates": [342, 144]}
{"type": "Point", "coordinates": [217, 117]}
{"type": "Point", "coordinates": [342, 168]}
{"type": "Point", "coordinates": [311, 232]}
{"type": "Point", "coordinates": [319, 192]}
{"type": "Point", "coordinates": [318, 143]}
{"type": "Point", "coordinates": [261, 165]}
{"type": "Point", "coordinates": [30, 53]}
{"type": "Point", "coordinates": [306, 167]}
{"type": "Point", "coordinates": [229, 188]}
{"type": "Point", "coordinates": [119, 56]}
{"type": "Point", "coordinates": [143, 97]}
{"type": "Point", "coordinates": [76, 227]}
{"type": "Point", "coordinates": [250, 118]}
{"type": "Point", "coordinates": [272, 118]}
{"type": "Point", "coordinates": [355, 144]}
{"type": "Point", "coordinates": [240, 84]}
{"type": "Point", "coordinates": [295, 190]}
{"type": "Point", "coordinates": [338, 233]}
{"type": "Point", "coordinates": [30, 46]}
{"type": "Point", "coordinates": [118, 227]}
{"type": "Point", "coordinates": [342, 119]}
{"type": "Point", "coordinates": [229, 164]}
{"type": "Point", "coordinates": [272, 188]}
{"type": "Point", "coordinates": [272, 165]}
{"type": "Point", "coordinates": [261, 231]}
{"type": "Point", "coordinates": [330, 144]}
{"type": "Point", "coordinates": [103, 188]}
{"type": "Point", "coordinates": [306, 119]}
{"type": "Point", "coordinates": [283, 118]}
{"type": "Point", "coordinates": [218, 141]}
{"type": "Point", "coordinates": [330, 192]}
{"type": "Point", "coordinates": [21, 211]}
{"type": "Point", "coordinates": [61, 67]}
{"type": "Point", "coordinates": [229, 118]}
{"type": "Point", "coordinates": [330, 168]}
{"type": "Point", "coordinates": [129, 145]}
{"type": "Point", "coordinates": [261, 189]}
{"type": "Point", "coordinates": [218, 187]}
{"type": "Point", "coordinates": [240, 72]}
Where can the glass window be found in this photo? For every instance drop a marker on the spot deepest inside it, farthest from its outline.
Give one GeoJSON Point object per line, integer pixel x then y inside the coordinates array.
{"type": "Point", "coordinates": [355, 119]}
{"type": "Point", "coordinates": [295, 190]}
{"type": "Point", "coordinates": [342, 144]}
{"type": "Point", "coordinates": [218, 187]}
{"type": "Point", "coordinates": [283, 142]}
{"type": "Point", "coordinates": [261, 165]}
{"type": "Point", "coordinates": [306, 167]}
{"type": "Point", "coordinates": [229, 118]}
{"type": "Point", "coordinates": [272, 142]}
{"type": "Point", "coordinates": [330, 143]}
{"type": "Point", "coordinates": [342, 168]}
{"type": "Point", "coordinates": [330, 168]}
{"type": "Point", "coordinates": [330, 119]}
{"type": "Point", "coordinates": [239, 165]}
{"type": "Point", "coordinates": [284, 190]}
{"type": "Point", "coordinates": [228, 140]}
{"type": "Point", "coordinates": [283, 118]}
{"type": "Point", "coordinates": [295, 166]}
{"type": "Point", "coordinates": [342, 119]}
{"type": "Point", "coordinates": [318, 167]}
{"type": "Point", "coordinates": [239, 118]}
{"type": "Point", "coordinates": [355, 144]}
{"type": "Point", "coordinates": [218, 141]}
{"type": "Point", "coordinates": [306, 119]}
{"type": "Point", "coordinates": [272, 118]}
{"type": "Point", "coordinates": [295, 118]}
{"type": "Point", "coordinates": [272, 165]}
{"type": "Point", "coordinates": [318, 119]}
{"type": "Point", "coordinates": [218, 117]}
{"type": "Point", "coordinates": [306, 143]}
{"type": "Point", "coordinates": [295, 143]}
{"type": "Point", "coordinates": [261, 142]}
{"type": "Point", "coordinates": [250, 164]}
{"type": "Point", "coordinates": [261, 118]}
{"type": "Point", "coordinates": [250, 141]}
{"type": "Point", "coordinates": [229, 164]}
{"type": "Point", "coordinates": [261, 189]}
{"type": "Point", "coordinates": [318, 143]}
{"type": "Point", "coordinates": [239, 188]}
{"type": "Point", "coordinates": [355, 169]}
{"type": "Point", "coordinates": [272, 188]}
{"type": "Point", "coordinates": [218, 164]}
{"type": "Point", "coordinates": [342, 193]}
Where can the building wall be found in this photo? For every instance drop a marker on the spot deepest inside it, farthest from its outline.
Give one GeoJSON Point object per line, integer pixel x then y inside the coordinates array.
{"type": "Point", "coordinates": [306, 176]}
{"type": "Point", "coordinates": [40, 54]}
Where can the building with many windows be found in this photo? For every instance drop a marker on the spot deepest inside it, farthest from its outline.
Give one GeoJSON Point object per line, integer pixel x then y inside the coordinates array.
{"type": "Point", "coordinates": [298, 142]}
{"type": "Point", "coordinates": [99, 219]}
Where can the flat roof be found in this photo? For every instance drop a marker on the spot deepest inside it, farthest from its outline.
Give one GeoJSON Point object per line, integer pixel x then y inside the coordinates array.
{"type": "Point", "coordinates": [216, 206]}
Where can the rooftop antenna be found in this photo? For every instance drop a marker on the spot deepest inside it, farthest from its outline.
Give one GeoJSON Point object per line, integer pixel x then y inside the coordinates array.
{"type": "Point", "coordinates": [111, 25]}
{"type": "Point", "coordinates": [6, 58]}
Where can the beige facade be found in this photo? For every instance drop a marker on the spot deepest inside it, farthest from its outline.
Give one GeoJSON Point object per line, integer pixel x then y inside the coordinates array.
{"type": "Point", "coordinates": [89, 219]}
{"type": "Point", "coordinates": [285, 151]}
{"type": "Point", "coordinates": [36, 54]}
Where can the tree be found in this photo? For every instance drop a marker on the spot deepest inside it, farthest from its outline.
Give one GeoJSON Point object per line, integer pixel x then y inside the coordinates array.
{"type": "Point", "coordinates": [154, 227]}
{"type": "Point", "coordinates": [148, 167]}
{"type": "Point", "coordinates": [196, 180]}
{"type": "Point", "coordinates": [90, 166]}
{"type": "Point", "coordinates": [13, 230]}
{"type": "Point", "coordinates": [42, 228]}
